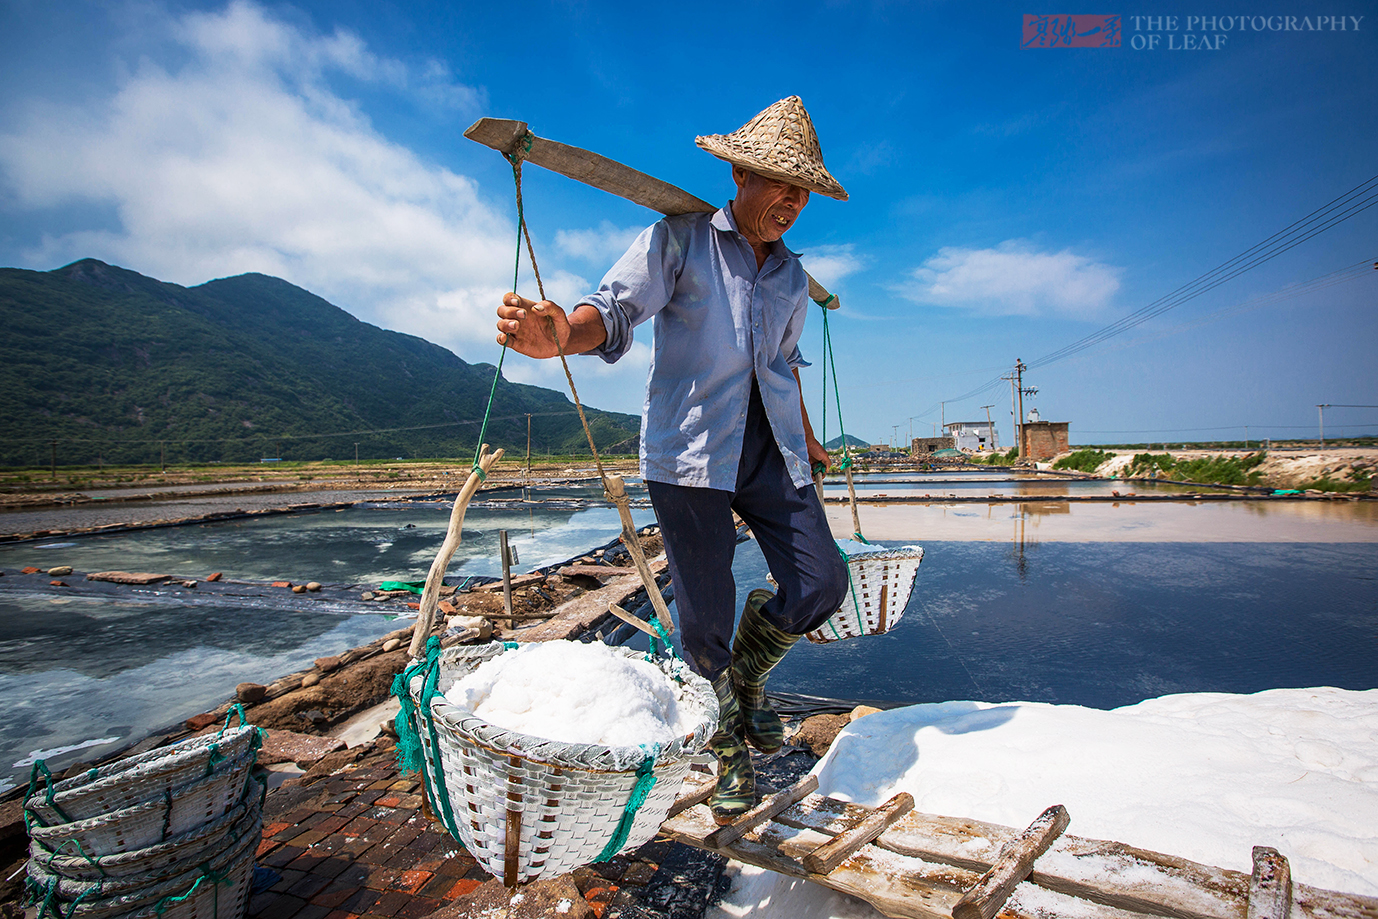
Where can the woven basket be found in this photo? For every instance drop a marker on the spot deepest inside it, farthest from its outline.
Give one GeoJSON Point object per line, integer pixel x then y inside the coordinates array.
{"type": "Point", "coordinates": [527, 807]}
{"type": "Point", "coordinates": [191, 894]}
{"type": "Point", "coordinates": [139, 779]}
{"type": "Point", "coordinates": [175, 811]}
{"type": "Point", "coordinates": [881, 582]}
{"type": "Point", "coordinates": [163, 859]}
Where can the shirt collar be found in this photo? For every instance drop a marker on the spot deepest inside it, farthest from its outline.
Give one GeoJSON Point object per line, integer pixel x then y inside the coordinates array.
{"type": "Point", "coordinates": [724, 220]}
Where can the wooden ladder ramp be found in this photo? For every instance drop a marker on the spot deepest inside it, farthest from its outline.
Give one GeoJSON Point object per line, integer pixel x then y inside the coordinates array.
{"type": "Point", "coordinates": [912, 865]}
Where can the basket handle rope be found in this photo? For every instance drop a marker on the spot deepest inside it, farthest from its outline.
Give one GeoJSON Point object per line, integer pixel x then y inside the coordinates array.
{"type": "Point", "coordinates": [410, 755]}
{"type": "Point", "coordinates": [31, 818]}
{"type": "Point", "coordinates": [846, 464]}
{"type": "Point", "coordinates": [52, 857]}
{"type": "Point", "coordinates": [645, 780]}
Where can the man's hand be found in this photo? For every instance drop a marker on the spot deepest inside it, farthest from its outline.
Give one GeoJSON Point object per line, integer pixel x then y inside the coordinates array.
{"type": "Point", "coordinates": [818, 454]}
{"type": "Point", "coordinates": [526, 327]}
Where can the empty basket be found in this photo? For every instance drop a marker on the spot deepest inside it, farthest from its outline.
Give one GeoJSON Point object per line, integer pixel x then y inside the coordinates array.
{"type": "Point", "coordinates": [881, 580]}
{"type": "Point", "coordinates": [527, 807]}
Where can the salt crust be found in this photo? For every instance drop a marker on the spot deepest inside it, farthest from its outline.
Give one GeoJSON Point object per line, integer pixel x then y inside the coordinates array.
{"type": "Point", "coordinates": [576, 693]}
{"type": "Point", "coordinates": [1204, 776]}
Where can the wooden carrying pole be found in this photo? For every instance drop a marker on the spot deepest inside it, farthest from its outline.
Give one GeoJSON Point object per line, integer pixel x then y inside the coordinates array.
{"type": "Point", "coordinates": [506, 136]}
{"type": "Point", "coordinates": [617, 491]}
{"type": "Point", "coordinates": [430, 594]}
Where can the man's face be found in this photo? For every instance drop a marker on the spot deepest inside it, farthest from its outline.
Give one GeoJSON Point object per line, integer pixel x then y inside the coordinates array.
{"type": "Point", "coordinates": [765, 208]}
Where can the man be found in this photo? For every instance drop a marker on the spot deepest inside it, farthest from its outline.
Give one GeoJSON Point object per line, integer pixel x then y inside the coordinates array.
{"type": "Point", "coordinates": [724, 426]}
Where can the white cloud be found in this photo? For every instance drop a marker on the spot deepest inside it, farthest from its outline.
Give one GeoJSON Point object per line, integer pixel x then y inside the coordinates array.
{"type": "Point", "coordinates": [1015, 279]}
{"type": "Point", "coordinates": [240, 157]}
{"type": "Point", "coordinates": [601, 246]}
{"type": "Point", "coordinates": [830, 264]}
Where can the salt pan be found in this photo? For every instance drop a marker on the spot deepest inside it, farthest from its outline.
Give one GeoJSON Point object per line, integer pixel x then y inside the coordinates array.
{"type": "Point", "coordinates": [576, 693]}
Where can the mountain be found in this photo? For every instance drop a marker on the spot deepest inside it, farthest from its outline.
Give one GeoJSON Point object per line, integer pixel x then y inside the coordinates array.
{"type": "Point", "coordinates": [836, 443]}
{"type": "Point", "coordinates": [116, 366]}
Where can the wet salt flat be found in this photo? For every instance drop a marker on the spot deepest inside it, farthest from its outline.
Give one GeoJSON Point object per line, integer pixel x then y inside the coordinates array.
{"type": "Point", "coordinates": [1099, 604]}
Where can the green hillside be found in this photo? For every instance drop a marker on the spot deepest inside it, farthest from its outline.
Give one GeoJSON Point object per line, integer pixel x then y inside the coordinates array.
{"type": "Point", "coordinates": [115, 366]}
{"type": "Point", "coordinates": [854, 442]}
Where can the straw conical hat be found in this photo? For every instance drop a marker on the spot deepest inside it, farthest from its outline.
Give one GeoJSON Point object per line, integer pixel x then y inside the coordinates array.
{"type": "Point", "coordinates": [780, 143]}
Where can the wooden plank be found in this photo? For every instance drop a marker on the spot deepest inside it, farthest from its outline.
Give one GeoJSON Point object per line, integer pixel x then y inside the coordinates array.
{"type": "Point", "coordinates": [842, 846]}
{"type": "Point", "coordinates": [1270, 886]}
{"type": "Point", "coordinates": [605, 174]}
{"type": "Point", "coordinates": [769, 807]}
{"type": "Point", "coordinates": [585, 611]}
{"type": "Point", "coordinates": [691, 794]}
{"type": "Point", "coordinates": [597, 571]}
{"type": "Point", "coordinates": [1012, 865]}
{"type": "Point", "coordinates": [521, 580]}
{"type": "Point", "coordinates": [1108, 873]}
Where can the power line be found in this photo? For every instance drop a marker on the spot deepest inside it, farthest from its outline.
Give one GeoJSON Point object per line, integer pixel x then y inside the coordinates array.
{"type": "Point", "coordinates": [1338, 210]}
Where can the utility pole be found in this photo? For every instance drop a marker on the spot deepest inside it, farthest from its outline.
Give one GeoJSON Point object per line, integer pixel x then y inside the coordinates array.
{"type": "Point", "coordinates": [1321, 408]}
{"type": "Point", "coordinates": [1019, 368]}
{"type": "Point", "coordinates": [894, 435]}
{"type": "Point", "coordinates": [528, 445]}
{"type": "Point", "coordinates": [990, 427]}
{"type": "Point", "coordinates": [356, 453]}
{"type": "Point", "coordinates": [53, 444]}
{"type": "Point", "coordinates": [162, 456]}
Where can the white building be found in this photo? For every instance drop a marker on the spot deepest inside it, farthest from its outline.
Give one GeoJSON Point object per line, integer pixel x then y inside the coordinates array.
{"type": "Point", "coordinates": [973, 436]}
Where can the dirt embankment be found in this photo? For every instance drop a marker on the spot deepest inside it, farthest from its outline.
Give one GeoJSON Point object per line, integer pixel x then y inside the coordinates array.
{"type": "Point", "coordinates": [1281, 469]}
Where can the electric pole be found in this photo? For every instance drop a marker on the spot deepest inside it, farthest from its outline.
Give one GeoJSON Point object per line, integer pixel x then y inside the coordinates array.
{"type": "Point", "coordinates": [1321, 409]}
{"type": "Point", "coordinates": [990, 427]}
{"type": "Point", "coordinates": [528, 445]}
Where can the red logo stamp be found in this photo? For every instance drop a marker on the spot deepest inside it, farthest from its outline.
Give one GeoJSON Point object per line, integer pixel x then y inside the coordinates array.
{"type": "Point", "coordinates": [1071, 31]}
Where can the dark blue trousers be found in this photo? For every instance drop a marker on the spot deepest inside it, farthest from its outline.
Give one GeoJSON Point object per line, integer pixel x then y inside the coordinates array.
{"type": "Point", "coordinates": [700, 540]}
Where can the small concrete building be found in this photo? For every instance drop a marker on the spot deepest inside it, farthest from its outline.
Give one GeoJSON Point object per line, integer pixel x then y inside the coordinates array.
{"type": "Point", "coordinates": [973, 436]}
{"type": "Point", "coordinates": [924, 445]}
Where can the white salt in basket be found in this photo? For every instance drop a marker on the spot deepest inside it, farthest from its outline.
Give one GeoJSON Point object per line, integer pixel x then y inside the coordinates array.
{"type": "Point", "coordinates": [881, 581]}
{"type": "Point", "coordinates": [526, 807]}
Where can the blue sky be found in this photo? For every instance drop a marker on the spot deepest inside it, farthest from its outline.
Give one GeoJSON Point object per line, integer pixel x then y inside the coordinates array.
{"type": "Point", "coordinates": [1005, 202]}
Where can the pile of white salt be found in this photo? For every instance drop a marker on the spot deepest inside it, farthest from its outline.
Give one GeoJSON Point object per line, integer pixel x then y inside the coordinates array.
{"type": "Point", "coordinates": [577, 693]}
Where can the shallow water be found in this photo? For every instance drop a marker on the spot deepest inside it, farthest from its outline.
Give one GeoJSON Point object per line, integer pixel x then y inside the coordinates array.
{"type": "Point", "coordinates": [1094, 604]}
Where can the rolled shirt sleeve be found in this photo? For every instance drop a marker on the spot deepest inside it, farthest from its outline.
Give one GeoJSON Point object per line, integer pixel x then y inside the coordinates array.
{"type": "Point", "coordinates": [719, 322]}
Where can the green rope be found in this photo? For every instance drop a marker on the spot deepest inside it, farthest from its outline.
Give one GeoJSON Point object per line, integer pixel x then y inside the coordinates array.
{"type": "Point", "coordinates": [829, 355]}
{"type": "Point", "coordinates": [645, 780]}
{"type": "Point", "coordinates": [410, 754]}
{"type": "Point", "coordinates": [80, 851]}
{"type": "Point", "coordinates": [29, 818]}
{"type": "Point", "coordinates": [217, 878]}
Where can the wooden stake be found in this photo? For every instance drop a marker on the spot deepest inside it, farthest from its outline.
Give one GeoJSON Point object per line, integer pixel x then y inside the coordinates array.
{"type": "Point", "coordinates": [845, 844]}
{"type": "Point", "coordinates": [430, 595]}
{"type": "Point", "coordinates": [506, 578]}
{"type": "Point", "coordinates": [617, 491]}
{"type": "Point", "coordinates": [1270, 887]}
{"type": "Point", "coordinates": [727, 835]}
{"type": "Point", "coordinates": [1011, 866]}
{"type": "Point", "coordinates": [631, 620]}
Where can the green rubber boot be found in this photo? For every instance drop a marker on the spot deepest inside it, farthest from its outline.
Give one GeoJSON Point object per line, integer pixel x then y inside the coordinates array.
{"type": "Point", "coordinates": [736, 790]}
{"type": "Point", "coordinates": [758, 647]}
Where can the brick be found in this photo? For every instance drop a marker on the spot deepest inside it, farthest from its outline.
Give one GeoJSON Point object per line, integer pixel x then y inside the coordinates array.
{"type": "Point", "coordinates": [462, 887]}
{"type": "Point", "coordinates": [418, 907]}
{"type": "Point", "coordinates": [437, 887]}
{"type": "Point", "coordinates": [406, 786]}
{"type": "Point", "coordinates": [289, 876]}
{"type": "Point", "coordinates": [335, 895]}
{"type": "Point", "coordinates": [361, 901]}
{"type": "Point", "coordinates": [333, 867]}
{"type": "Point", "coordinates": [312, 912]}
{"type": "Point", "coordinates": [309, 838]}
{"type": "Point", "coordinates": [271, 828]}
{"type": "Point", "coordinates": [264, 847]}
{"type": "Point", "coordinates": [341, 914]}
{"type": "Point", "coordinates": [381, 878]}
{"type": "Point", "coordinates": [388, 801]}
{"type": "Point", "coordinates": [390, 903]}
{"type": "Point", "coordinates": [639, 873]}
{"type": "Point", "coordinates": [411, 881]}
{"type": "Point", "coordinates": [283, 907]}
{"type": "Point", "coordinates": [308, 886]}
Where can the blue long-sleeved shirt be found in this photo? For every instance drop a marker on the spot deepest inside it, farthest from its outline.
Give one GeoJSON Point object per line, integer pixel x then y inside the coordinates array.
{"type": "Point", "coordinates": [718, 321]}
